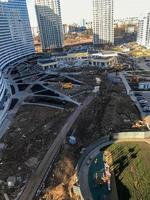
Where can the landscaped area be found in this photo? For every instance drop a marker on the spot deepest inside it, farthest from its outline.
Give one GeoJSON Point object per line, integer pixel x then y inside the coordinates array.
{"type": "Point", "coordinates": [131, 167]}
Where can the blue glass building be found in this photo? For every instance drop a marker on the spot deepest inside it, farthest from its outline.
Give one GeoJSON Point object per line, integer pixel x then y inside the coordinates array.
{"type": "Point", "coordinates": [16, 39]}
{"type": "Point", "coordinates": [50, 24]}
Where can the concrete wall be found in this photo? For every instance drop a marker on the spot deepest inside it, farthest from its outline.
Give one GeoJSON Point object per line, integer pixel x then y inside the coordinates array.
{"type": "Point", "coordinates": [144, 85]}
{"type": "Point", "coordinates": [132, 135]}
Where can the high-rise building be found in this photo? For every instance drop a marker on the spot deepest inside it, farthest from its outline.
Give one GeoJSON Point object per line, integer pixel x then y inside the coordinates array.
{"type": "Point", "coordinates": [15, 41]}
{"type": "Point", "coordinates": [65, 28]}
{"type": "Point", "coordinates": [15, 31]}
{"type": "Point", "coordinates": [148, 32]}
{"type": "Point", "coordinates": [143, 34]}
{"type": "Point", "coordinates": [50, 24]}
{"type": "Point", "coordinates": [103, 31]}
{"type": "Point", "coordinates": [140, 31]}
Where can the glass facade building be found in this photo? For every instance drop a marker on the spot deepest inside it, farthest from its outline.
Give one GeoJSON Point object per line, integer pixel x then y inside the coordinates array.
{"type": "Point", "coordinates": [16, 39]}
{"type": "Point", "coordinates": [50, 23]}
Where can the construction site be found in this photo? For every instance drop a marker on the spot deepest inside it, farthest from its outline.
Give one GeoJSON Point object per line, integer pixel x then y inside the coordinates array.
{"type": "Point", "coordinates": [35, 130]}
{"type": "Point", "coordinates": [110, 112]}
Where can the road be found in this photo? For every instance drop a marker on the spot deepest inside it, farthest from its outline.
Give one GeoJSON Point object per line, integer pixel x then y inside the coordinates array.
{"type": "Point", "coordinates": [36, 179]}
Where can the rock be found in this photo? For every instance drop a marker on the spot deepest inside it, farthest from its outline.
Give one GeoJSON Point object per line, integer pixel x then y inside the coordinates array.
{"type": "Point", "coordinates": [126, 120]}
{"type": "Point", "coordinates": [19, 179]}
{"type": "Point", "coordinates": [19, 129]}
{"type": "Point", "coordinates": [2, 146]}
{"type": "Point", "coordinates": [23, 120]}
{"type": "Point", "coordinates": [55, 133]}
{"type": "Point", "coordinates": [11, 181]}
{"type": "Point", "coordinates": [32, 162]}
{"type": "Point", "coordinates": [19, 168]}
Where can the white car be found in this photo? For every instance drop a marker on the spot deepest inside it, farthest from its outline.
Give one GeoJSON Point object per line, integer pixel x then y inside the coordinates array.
{"type": "Point", "coordinates": [142, 101]}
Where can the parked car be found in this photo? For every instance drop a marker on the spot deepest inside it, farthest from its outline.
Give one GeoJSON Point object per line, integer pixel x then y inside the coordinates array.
{"type": "Point", "coordinates": [143, 105]}
{"type": "Point", "coordinates": [137, 94]}
{"type": "Point", "coordinates": [142, 101]}
{"type": "Point", "coordinates": [146, 109]}
{"type": "Point", "coordinates": [140, 98]}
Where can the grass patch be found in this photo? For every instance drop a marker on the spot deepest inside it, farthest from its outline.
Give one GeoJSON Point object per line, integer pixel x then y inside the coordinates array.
{"type": "Point", "coordinates": [141, 52]}
{"type": "Point", "coordinates": [131, 163]}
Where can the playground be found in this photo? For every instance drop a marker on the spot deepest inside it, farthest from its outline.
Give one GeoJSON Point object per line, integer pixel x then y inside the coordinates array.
{"type": "Point", "coordinates": [98, 182]}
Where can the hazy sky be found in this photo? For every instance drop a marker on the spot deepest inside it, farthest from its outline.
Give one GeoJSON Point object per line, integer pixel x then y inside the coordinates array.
{"type": "Point", "coordinates": [76, 10]}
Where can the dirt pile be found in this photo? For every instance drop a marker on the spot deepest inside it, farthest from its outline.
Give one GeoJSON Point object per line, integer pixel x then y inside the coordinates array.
{"type": "Point", "coordinates": [63, 177]}
{"type": "Point", "coordinates": [57, 193]}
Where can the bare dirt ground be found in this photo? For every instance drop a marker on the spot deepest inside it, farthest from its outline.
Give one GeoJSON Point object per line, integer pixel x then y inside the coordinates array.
{"type": "Point", "coordinates": [35, 128]}
{"type": "Point", "coordinates": [111, 111]}
{"type": "Point", "coordinates": [87, 77]}
{"type": "Point", "coordinates": [28, 139]}
{"type": "Point", "coordinates": [26, 142]}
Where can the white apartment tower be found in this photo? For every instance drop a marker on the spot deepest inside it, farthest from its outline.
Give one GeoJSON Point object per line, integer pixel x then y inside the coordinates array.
{"type": "Point", "coordinates": [50, 24]}
{"type": "Point", "coordinates": [103, 31]}
{"type": "Point", "coordinates": [148, 32]}
{"type": "Point", "coordinates": [143, 35]}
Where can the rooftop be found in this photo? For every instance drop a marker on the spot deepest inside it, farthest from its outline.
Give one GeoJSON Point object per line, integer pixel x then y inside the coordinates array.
{"type": "Point", "coordinates": [44, 61]}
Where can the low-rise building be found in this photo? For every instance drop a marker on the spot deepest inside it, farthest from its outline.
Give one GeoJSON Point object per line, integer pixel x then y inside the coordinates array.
{"type": "Point", "coordinates": [102, 59]}
{"type": "Point", "coordinates": [47, 63]}
{"type": "Point", "coordinates": [144, 85]}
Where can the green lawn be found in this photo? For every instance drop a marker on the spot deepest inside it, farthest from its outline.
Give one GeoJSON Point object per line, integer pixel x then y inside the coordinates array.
{"type": "Point", "coordinates": [131, 162]}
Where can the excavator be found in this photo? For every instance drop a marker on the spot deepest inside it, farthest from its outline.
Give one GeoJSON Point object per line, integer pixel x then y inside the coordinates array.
{"type": "Point", "coordinates": [66, 85]}
{"type": "Point", "coordinates": [134, 78]}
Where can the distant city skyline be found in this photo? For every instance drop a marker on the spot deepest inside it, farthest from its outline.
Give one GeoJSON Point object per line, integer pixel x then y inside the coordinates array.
{"type": "Point", "coordinates": [73, 11]}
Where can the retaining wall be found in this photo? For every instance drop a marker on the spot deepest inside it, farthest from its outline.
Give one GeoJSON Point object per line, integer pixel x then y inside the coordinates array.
{"type": "Point", "coordinates": [132, 135]}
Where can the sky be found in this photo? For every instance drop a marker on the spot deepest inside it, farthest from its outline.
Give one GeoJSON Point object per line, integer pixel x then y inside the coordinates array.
{"type": "Point", "coordinates": [73, 11]}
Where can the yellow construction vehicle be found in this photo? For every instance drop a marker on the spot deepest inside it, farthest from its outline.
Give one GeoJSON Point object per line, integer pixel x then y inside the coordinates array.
{"type": "Point", "coordinates": [66, 85]}
{"type": "Point", "coordinates": [134, 79]}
